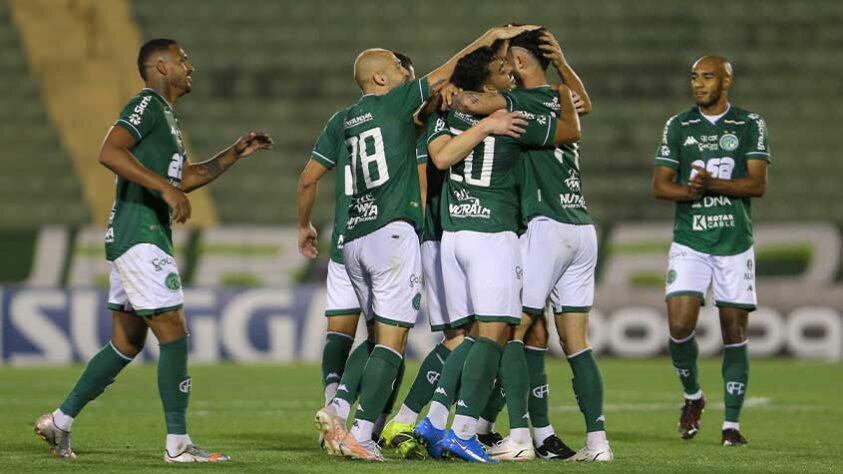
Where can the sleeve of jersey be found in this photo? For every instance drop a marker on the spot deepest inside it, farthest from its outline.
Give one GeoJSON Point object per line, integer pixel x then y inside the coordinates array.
{"type": "Point", "coordinates": [668, 152]}
{"type": "Point", "coordinates": [328, 144]}
{"type": "Point", "coordinates": [410, 96]}
{"type": "Point", "coordinates": [759, 146]}
{"type": "Point", "coordinates": [421, 149]}
{"type": "Point", "coordinates": [437, 126]}
{"type": "Point", "coordinates": [540, 131]}
{"type": "Point", "coordinates": [511, 101]}
{"type": "Point", "coordinates": [139, 116]}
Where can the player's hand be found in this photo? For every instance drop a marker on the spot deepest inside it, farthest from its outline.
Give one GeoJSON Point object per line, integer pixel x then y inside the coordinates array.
{"type": "Point", "coordinates": [699, 182]}
{"type": "Point", "coordinates": [502, 122]}
{"type": "Point", "coordinates": [178, 202]}
{"type": "Point", "coordinates": [307, 241]}
{"type": "Point", "coordinates": [551, 49]}
{"type": "Point", "coordinates": [509, 31]}
{"type": "Point", "coordinates": [447, 95]}
{"type": "Point", "coordinates": [252, 142]}
{"type": "Point", "coordinates": [579, 104]}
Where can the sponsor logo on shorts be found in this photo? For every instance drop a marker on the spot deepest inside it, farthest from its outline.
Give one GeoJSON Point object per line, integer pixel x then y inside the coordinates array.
{"type": "Point", "coordinates": [671, 276]}
{"type": "Point", "coordinates": [173, 282]}
{"type": "Point", "coordinates": [519, 272]}
{"type": "Point", "coordinates": [433, 377]}
{"type": "Point", "coordinates": [417, 301]}
{"type": "Point", "coordinates": [184, 386]}
{"type": "Point", "coordinates": [735, 388]}
{"type": "Point", "coordinates": [749, 264]}
{"type": "Point", "coordinates": [414, 280]}
{"type": "Point", "coordinates": [729, 142]}
{"type": "Point", "coordinates": [159, 263]}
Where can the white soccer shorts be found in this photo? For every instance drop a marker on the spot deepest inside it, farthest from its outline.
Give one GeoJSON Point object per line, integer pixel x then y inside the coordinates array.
{"type": "Point", "coordinates": [146, 281]}
{"type": "Point", "coordinates": [385, 270]}
{"type": "Point", "coordinates": [731, 278]}
{"type": "Point", "coordinates": [434, 286]}
{"type": "Point", "coordinates": [559, 262]}
{"type": "Point", "coordinates": [482, 276]}
{"type": "Point", "coordinates": [341, 298]}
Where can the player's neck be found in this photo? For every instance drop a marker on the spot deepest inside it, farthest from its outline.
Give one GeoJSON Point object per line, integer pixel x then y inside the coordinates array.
{"type": "Point", "coordinates": [530, 81]}
{"type": "Point", "coordinates": [375, 90]}
{"type": "Point", "coordinates": [718, 108]}
{"type": "Point", "coordinates": [164, 90]}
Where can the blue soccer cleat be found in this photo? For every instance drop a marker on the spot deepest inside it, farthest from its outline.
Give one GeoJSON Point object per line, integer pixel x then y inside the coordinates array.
{"type": "Point", "coordinates": [470, 450]}
{"type": "Point", "coordinates": [430, 437]}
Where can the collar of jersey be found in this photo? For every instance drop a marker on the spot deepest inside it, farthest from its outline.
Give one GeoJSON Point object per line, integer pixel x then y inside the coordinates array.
{"type": "Point", "coordinates": [159, 96]}
{"type": "Point", "coordinates": [728, 110]}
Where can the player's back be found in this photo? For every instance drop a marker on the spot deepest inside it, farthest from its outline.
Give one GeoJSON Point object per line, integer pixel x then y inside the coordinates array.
{"type": "Point", "coordinates": [380, 137]}
{"type": "Point", "coordinates": [550, 180]}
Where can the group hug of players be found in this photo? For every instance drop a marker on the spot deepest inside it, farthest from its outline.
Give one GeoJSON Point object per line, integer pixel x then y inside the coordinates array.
{"type": "Point", "coordinates": [489, 222]}
{"type": "Point", "coordinates": [436, 178]}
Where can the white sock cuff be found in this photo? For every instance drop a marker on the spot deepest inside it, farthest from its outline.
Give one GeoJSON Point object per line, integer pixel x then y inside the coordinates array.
{"type": "Point", "coordinates": [516, 341]}
{"type": "Point", "coordinates": [739, 344]}
{"type": "Point", "coordinates": [684, 339]}
{"type": "Point", "coordinates": [534, 348]}
{"type": "Point", "coordinates": [694, 396]}
{"type": "Point", "coordinates": [122, 355]}
{"type": "Point", "coordinates": [389, 349]}
{"type": "Point", "coordinates": [731, 425]}
{"type": "Point", "coordinates": [578, 353]}
{"type": "Point", "coordinates": [341, 334]}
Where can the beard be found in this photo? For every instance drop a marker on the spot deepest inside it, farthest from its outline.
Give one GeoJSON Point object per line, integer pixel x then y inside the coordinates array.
{"type": "Point", "coordinates": [712, 98]}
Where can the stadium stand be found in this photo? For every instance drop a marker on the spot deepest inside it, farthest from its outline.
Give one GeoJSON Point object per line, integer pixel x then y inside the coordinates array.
{"type": "Point", "coordinates": [37, 185]}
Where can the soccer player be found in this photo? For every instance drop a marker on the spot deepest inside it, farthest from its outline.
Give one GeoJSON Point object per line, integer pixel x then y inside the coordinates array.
{"type": "Point", "coordinates": [144, 149]}
{"type": "Point", "coordinates": [712, 160]}
{"type": "Point", "coordinates": [381, 249]}
{"type": "Point", "coordinates": [480, 216]}
{"type": "Point", "coordinates": [559, 252]}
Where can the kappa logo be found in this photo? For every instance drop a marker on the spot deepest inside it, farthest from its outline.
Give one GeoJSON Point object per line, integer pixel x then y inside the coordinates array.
{"type": "Point", "coordinates": [735, 388]}
{"type": "Point", "coordinates": [601, 418]}
{"type": "Point", "coordinates": [433, 377]}
{"type": "Point", "coordinates": [184, 386]}
{"type": "Point", "coordinates": [541, 391]}
{"type": "Point", "coordinates": [461, 403]}
{"type": "Point", "coordinates": [441, 390]}
{"type": "Point", "coordinates": [684, 373]}
{"type": "Point", "coordinates": [342, 387]}
{"type": "Point", "coordinates": [690, 141]}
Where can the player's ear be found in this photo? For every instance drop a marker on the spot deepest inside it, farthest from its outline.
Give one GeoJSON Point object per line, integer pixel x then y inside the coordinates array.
{"type": "Point", "coordinates": [161, 65]}
{"type": "Point", "coordinates": [379, 79]}
{"type": "Point", "coordinates": [727, 81]}
{"type": "Point", "coordinates": [489, 89]}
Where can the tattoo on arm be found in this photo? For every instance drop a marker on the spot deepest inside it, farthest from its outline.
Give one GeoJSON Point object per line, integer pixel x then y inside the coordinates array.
{"type": "Point", "coordinates": [438, 84]}
{"type": "Point", "coordinates": [210, 169]}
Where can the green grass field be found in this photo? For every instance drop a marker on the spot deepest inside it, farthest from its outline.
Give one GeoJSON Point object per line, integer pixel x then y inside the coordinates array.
{"type": "Point", "coordinates": [262, 416]}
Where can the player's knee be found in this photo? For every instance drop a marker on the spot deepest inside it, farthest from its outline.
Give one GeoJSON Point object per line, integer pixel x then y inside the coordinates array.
{"type": "Point", "coordinates": [680, 329]}
{"type": "Point", "coordinates": [343, 324]}
{"type": "Point", "coordinates": [733, 333]}
{"type": "Point", "coordinates": [129, 347]}
{"type": "Point", "coordinates": [573, 342]}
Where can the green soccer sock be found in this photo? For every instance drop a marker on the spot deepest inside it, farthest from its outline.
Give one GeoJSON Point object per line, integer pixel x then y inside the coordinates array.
{"type": "Point", "coordinates": [497, 400]}
{"type": "Point", "coordinates": [684, 354]}
{"type": "Point", "coordinates": [515, 379]}
{"type": "Point", "coordinates": [377, 381]}
{"type": "Point", "coordinates": [539, 389]}
{"type": "Point", "coordinates": [334, 355]}
{"type": "Point", "coordinates": [449, 383]}
{"type": "Point", "coordinates": [350, 382]}
{"type": "Point", "coordinates": [99, 374]}
{"type": "Point", "coordinates": [429, 374]}
{"type": "Point", "coordinates": [478, 377]}
{"type": "Point", "coordinates": [588, 387]}
{"type": "Point", "coordinates": [735, 379]}
{"type": "Point", "coordinates": [396, 388]}
{"type": "Point", "coordinates": [174, 384]}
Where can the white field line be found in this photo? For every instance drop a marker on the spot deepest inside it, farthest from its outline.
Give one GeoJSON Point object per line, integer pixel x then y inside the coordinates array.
{"type": "Point", "coordinates": [751, 402]}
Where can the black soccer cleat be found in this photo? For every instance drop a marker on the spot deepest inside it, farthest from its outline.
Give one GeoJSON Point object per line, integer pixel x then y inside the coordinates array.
{"type": "Point", "coordinates": [489, 439]}
{"type": "Point", "coordinates": [733, 437]}
{"type": "Point", "coordinates": [554, 448]}
{"type": "Point", "coordinates": [689, 418]}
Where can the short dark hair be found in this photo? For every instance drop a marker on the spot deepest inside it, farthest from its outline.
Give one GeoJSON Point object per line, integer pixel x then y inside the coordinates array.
{"type": "Point", "coordinates": [149, 48]}
{"type": "Point", "coordinates": [530, 40]}
{"type": "Point", "coordinates": [473, 69]}
{"type": "Point", "coordinates": [406, 62]}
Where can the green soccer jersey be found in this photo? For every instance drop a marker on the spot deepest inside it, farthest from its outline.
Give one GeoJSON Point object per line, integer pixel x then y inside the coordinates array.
{"type": "Point", "coordinates": [550, 177]}
{"type": "Point", "coordinates": [330, 151]}
{"type": "Point", "coordinates": [140, 215]}
{"type": "Point", "coordinates": [435, 180]}
{"type": "Point", "coordinates": [380, 137]}
{"type": "Point", "coordinates": [716, 225]}
{"type": "Point", "coordinates": [481, 192]}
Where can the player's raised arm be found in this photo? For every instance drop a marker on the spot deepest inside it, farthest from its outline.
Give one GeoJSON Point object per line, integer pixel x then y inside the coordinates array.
{"type": "Point", "coordinates": [116, 155]}
{"type": "Point", "coordinates": [479, 103]}
{"type": "Point", "coordinates": [445, 151]}
{"type": "Point", "coordinates": [568, 123]}
{"type": "Point", "coordinates": [196, 175]}
{"type": "Point", "coordinates": [569, 77]}
{"type": "Point", "coordinates": [440, 76]}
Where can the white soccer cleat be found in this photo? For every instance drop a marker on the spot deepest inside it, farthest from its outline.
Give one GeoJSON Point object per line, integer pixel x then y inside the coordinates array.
{"type": "Point", "coordinates": [193, 453]}
{"type": "Point", "coordinates": [332, 430]}
{"type": "Point", "coordinates": [593, 455]}
{"type": "Point", "coordinates": [508, 450]}
{"type": "Point", "coordinates": [57, 439]}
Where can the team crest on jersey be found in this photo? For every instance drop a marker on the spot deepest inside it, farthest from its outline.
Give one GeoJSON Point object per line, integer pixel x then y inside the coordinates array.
{"type": "Point", "coordinates": [173, 282]}
{"type": "Point", "coordinates": [729, 142]}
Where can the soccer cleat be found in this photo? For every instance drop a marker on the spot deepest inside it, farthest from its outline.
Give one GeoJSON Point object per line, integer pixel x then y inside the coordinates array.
{"type": "Point", "coordinates": [57, 439]}
{"type": "Point", "coordinates": [332, 429]}
{"type": "Point", "coordinates": [429, 437]}
{"type": "Point", "coordinates": [733, 437]}
{"type": "Point", "coordinates": [509, 450]}
{"type": "Point", "coordinates": [554, 448]}
{"type": "Point", "coordinates": [593, 455]}
{"type": "Point", "coordinates": [400, 436]}
{"type": "Point", "coordinates": [194, 453]}
{"type": "Point", "coordinates": [689, 418]}
{"type": "Point", "coordinates": [364, 450]}
{"type": "Point", "coordinates": [470, 450]}
{"type": "Point", "coordinates": [490, 439]}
